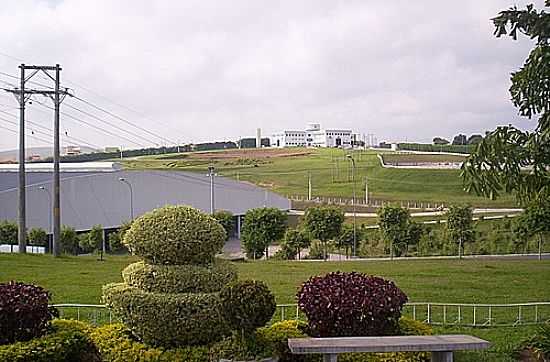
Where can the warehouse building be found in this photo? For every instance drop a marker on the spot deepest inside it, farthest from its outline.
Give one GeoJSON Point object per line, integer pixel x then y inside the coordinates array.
{"type": "Point", "coordinates": [104, 194]}
{"type": "Point", "coordinates": [313, 136]}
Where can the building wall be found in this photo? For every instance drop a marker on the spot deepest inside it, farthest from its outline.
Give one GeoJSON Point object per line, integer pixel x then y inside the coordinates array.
{"type": "Point", "coordinates": [313, 137]}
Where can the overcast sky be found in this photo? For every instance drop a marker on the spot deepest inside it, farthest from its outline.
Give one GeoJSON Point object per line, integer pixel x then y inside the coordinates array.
{"type": "Point", "coordinates": [217, 70]}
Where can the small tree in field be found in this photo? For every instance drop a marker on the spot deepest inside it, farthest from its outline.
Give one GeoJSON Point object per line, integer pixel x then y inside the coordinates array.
{"type": "Point", "coordinates": [95, 237]}
{"type": "Point", "coordinates": [460, 226]}
{"type": "Point", "coordinates": [262, 227]}
{"type": "Point", "coordinates": [294, 241]}
{"type": "Point", "coordinates": [68, 240]}
{"type": "Point", "coordinates": [324, 223]}
{"type": "Point", "coordinates": [345, 239]}
{"type": "Point", "coordinates": [536, 220]}
{"type": "Point", "coordinates": [394, 224]}
{"type": "Point", "coordinates": [225, 218]}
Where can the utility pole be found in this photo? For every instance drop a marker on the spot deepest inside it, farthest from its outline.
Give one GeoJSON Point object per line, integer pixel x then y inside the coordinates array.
{"type": "Point", "coordinates": [22, 96]}
{"type": "Point", "coordinates": [211, 174]}
{"type": "Point", "coordinates": [22, 209]}
{"type": "Point", "coordinates": [309, 186]}
{"type": "Point", "coordinates": [366, 191]}
{"type": "Point", "coordinates": [354, 207]}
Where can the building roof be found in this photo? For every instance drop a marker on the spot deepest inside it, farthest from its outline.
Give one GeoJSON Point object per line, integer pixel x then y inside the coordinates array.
{"type": "Point", "coordinates": [91, 198]}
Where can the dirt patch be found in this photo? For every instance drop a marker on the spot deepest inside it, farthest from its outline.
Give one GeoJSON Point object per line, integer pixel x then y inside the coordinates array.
{"type": "Point", "coordinates": [249, 153]}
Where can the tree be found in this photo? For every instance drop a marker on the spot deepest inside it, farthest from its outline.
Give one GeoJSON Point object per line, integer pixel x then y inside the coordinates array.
{"type": "Point", "coordinates": [345, 239]}
{"type": "Point", "coordinates": [323, 223]}
{"type": "Point", "coordinates": [536, 220]}
{"type": "Point", "coordinates": [475, 139]}
{"type": "Point", "coordinates": [460, 226]}
{"type": "Point", "coordinates": [115, 238]}
{"type": "Point", "coordinates": [294, 241]}
{"type": "Point", "coordinates": [261, 227]}
{"type": "Point", "coordinates": [508, 159]}
{"type": "Point", "coordinates": [8, 233]}
{"type": "Point", "coordinates": [68, 240]}
{"type": "Point", "coordinates": [225, 218]}
{"type": "Point", "coordinates": [394, 224]}
{"type": "Point", "coordinates": [460, 139]}
{"type": "Point", "coordinates": [414, 233]}
{"type": "Point", "coordinates": [95, 238]}
{"type": "Point", "coordinates": [440, 141]}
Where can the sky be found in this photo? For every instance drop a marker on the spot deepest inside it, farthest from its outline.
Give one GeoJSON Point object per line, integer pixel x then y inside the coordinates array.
{"type": "Point", "coordinates": [192, 71]}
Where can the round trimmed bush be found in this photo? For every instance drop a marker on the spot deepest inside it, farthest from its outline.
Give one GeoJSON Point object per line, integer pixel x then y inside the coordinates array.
{"type": "Point", "coordinates": [179, 278]}
{"type": "Point", "coordinates": [175, 235]}
{"type": "Point", "coordinates": [247, 305]}
{"type": "Point", "coordinates": [24, 312]}
{"type": "Point", "coordinates": [351, 304]}
{"type": "Point", "coordinates": [167, 320]}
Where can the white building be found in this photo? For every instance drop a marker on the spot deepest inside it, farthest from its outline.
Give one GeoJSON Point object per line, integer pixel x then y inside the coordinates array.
{"type": "Point", "coordinates": [313, 136]}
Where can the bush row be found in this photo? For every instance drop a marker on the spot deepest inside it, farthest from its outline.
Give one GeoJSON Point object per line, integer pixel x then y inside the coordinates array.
{"type": "Point", "coordinates": [179, 278]}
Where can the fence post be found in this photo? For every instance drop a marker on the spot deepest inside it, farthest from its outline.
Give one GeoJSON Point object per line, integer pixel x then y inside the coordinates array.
{"type": "Point", "coordinates": [474, 324]}
{"type": "Point", "coordinates": [429, 310]}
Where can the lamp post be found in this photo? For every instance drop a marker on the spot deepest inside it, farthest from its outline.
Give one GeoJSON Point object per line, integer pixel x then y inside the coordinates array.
{"type": "Point", "coordinates": [350, 157]}
{"type": "Point", "coordinates": [123, 180]}
{"type": "Point", "coordinates": [211, 174]}
{"type": "Point", "coordinates": [51, 208]}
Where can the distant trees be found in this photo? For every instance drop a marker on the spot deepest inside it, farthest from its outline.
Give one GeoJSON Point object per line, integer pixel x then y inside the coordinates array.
{"type": "Point", "coordinates": [323, 223]}
{"type": "Point", "coordinates": [460, 226]}
{"type": "Point", "coordinates": [475, 139]}
{"type": "Point", "coordinates": [261, 227]}
{"type": "Point", "coordinates": [536, 221]}
{"type": "Point", "coordinates": [460, 139]}
{"type": "Point", "coordinates": [394, 225]}
{"type": "Point", "coordinates": [440, 141]}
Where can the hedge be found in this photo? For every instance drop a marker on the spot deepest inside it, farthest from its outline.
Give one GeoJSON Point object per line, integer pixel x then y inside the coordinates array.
{"type": "Point", "coordinates": [179, 278]}
{"type": "Point", "coordinates": [175, 235]}
{"type": "Point", "coordinates": [116, 344]}
{"type": "Point", "coordinates": [168, 320]}
{"type": "Point", "coordinates": [66, 342]}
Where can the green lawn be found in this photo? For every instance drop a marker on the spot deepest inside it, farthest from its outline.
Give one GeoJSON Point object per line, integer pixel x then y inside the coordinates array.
{"type": "Point", "coordinates": [331, 176]}
{"type": "Point", "coordinates": [79, 280]}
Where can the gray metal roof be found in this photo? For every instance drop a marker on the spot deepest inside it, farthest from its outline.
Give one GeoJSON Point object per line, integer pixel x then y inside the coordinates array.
{"type": "Point", "coordinates": [88, 199]}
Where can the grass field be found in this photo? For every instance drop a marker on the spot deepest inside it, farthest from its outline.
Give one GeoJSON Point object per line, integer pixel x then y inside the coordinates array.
{"type": "Point", "coordinates": [414, 158]}
{"type": "Point", "coordinates": [79, 280]}
{"type": "Point", "coordinates": [330, 174]}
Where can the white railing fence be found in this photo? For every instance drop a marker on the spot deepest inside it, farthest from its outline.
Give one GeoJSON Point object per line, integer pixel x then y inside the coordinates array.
{"type": "Point", "coordinates": [444, 314]}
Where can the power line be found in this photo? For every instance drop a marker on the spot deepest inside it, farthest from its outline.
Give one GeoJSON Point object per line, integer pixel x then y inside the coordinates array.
{"type": "Point", "coordinates": [112, 125]}
{"type": "Point", "coordinates": [94, 126]}
{"type": "Point", "coordinates": [35, 137]}
{"type": "Point", "coordinates": [123, 119]}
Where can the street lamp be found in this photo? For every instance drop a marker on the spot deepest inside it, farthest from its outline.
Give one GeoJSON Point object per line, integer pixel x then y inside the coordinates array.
{"type": "Point", "coordinates": [211, 174]}
{"type": "Point", "coordinates": [350, 157]}
{"type": "Point", "coordinates": [51, 208]}
{"type": "Point", "coordinates": [123, 180]}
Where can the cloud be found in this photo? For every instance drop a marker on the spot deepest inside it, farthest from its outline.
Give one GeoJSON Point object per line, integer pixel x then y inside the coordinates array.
{"type": "Point", "coordinates": [210, 70]}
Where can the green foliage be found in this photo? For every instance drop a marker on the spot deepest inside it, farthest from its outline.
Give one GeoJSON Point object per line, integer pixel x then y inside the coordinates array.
{"type": "Point", "coordinates": [323, 222]}
{"type": "Point", "coordinates": [68, 240]}
{"type": "Point", "coordinates": [67, 342]}
{"type": "Point", "coordinates": [345, 239]}
{"type": "Point", "coordinates": [247, 305]}
{"type": "Point", "coordinates": [460, 225]}
{"type": "Point", "coordinates": [262, 227]}
{"type": "Point", "coordinates": [425, 147]}
{"type": "Point", "coordinates": [167, 320]}
{"type": "Point", "coordinates": [277, 335]}
{"type": "Point", "coordinates": [179, 278]}
{"type": "Point", "coordinates": [539, 343]}
{"type": "Point", "coordinates": [394, 225]}
{"type": "Point", "coordinates": [460, 139]}
{"type": "Point", "coordinates": [95, 238]}
{"type": "Point", "coordinates": [175, 235]}
{"type": "Point", "coordinates": [500, 162]}
{"type": "Point", "coordinates": [84, 243]}
{"type": "Point", "coordinates": [235, 348]}
{"type": "Point", "coordinates": [116, 344]}
{"type": "Point", "coordinates": [225, 218]}
{"type": "Point", "coordinates": [440, 141]}
{"type": "Point", "coordinates": [38, 237]}
{"type": "Point", "coordinates": [8, 232]}
{"type": "Point", "coordinates": [293, 242]}
{"type": "Point", "coordinates": [115, 238]}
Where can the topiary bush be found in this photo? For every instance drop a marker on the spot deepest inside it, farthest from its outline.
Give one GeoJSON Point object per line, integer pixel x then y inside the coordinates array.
{"type": "Point", "coordinates": [24, 312]}
{"type": "Point", "coordinates": [67, 341]}
{"type": "Point", "coordinates": [277, 335]}
{"type": "Point", "coordinates": [167, 319]}
{"type": "Point", "coordinates": [351, 304]}
{"type": "Point", "coordinates": [175, 235]}
{"type": "Point", "coordinates": [247, 305]}
{"type": "Point", "coordinates": [179, 278]}
{"type": "Point", "coordinates": [172, 297]}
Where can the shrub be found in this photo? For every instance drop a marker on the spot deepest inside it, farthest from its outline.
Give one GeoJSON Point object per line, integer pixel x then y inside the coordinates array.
{"type": "Point", "coordinates": [175, 235]}
{"type": "Point", "coordinates": [247, 305]}
{"type": "Point", "coordinates": [38, 237]}
{"type": "Point", "coordinates": [235, 348]}
{"type": "Point", "coordinates": [538, 345]}
{"type": "Point", "coordinates": [24, 312]}
{"type": "Point", "coordinates": [8, 232]}
{"type": "Point", "coordinates": [167, 320]}
{"type": "Point", "coordinates": [277, 336]}
{"type": "Point", "coordinates": [66, 342]}
{"type": "Point", "coordinates": [68, 240]}
{"type": "Point", "coordinates": [351, 304]}
{"type": "Point", "coordinates": [116, 344]}
{"type": "Point", "coordinates": [261, 227]}
{"type": "Point", "coordinates": [179, 278]}
{"type": "Point", "coordinates": [225, 218]}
